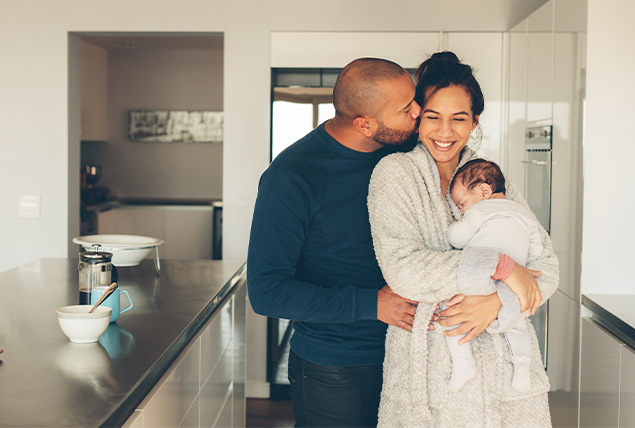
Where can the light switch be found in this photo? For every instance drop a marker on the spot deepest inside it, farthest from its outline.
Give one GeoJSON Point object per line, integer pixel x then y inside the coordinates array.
{"type": "Point", "coordinates": [29, 206]}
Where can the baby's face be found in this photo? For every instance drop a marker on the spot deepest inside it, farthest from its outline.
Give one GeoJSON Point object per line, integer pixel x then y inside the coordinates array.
{"type": "Point", "coordinates": [464, 198]}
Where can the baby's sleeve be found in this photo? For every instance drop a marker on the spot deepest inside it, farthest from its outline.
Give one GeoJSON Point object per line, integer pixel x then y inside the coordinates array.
{"type": "Point", "coordinates": [460, 233]}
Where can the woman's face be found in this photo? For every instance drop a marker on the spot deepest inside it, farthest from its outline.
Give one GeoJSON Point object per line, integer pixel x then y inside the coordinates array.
{"type": "Point", "coordinates": [446, 123]}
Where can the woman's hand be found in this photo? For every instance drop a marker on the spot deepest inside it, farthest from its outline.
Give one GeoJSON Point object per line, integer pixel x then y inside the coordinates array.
{"type": "Point", "coordinates": [474, 313]}
{"type": "Point", "coordinates": [523, 283]}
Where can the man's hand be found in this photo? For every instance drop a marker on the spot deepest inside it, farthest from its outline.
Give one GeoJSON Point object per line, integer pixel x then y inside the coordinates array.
{"type": "Point", "coordinates": [395, 310]}
{"type": "Point", "coordinates": [475, 312]}
{"type": "Point", "coordinates": [523, 283]}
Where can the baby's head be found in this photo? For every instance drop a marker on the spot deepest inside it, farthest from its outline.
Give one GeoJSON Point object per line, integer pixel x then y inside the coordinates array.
{"type": "Point", "coordinates": [477, 181]}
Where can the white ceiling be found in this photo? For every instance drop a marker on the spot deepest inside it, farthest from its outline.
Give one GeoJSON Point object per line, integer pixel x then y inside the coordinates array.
{"type": "Point", "coordinates": [424, 15]}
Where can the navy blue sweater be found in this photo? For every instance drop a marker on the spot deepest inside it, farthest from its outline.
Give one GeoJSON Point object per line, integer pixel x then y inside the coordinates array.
{"type": "Point", "coordinates": [311, 255]}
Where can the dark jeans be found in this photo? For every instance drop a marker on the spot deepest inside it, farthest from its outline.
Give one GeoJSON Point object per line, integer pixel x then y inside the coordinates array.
{"type": "Point", "coordinates": [325, 396]}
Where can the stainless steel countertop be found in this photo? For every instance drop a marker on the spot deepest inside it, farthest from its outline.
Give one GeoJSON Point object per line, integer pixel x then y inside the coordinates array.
{"type": "Point", "coordinates": [47, 381]}
{"type": "Point", "coordinates": [614, 312]}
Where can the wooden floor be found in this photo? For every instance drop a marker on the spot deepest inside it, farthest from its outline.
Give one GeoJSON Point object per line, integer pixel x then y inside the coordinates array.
{"type": "Point", "coordinates": [263, 413]}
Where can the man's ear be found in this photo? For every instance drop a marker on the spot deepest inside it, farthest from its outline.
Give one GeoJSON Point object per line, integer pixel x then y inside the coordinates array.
{"type": "Point", "coordinates": [365, 125]}
{"type": "Point", "coordinates": [486, 190]}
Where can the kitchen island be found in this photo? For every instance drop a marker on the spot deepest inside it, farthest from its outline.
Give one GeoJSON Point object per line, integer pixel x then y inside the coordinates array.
{"type": "Point", "coordinates": [607, 361]}
{"type": "Point", "coordinates": [175, 359]}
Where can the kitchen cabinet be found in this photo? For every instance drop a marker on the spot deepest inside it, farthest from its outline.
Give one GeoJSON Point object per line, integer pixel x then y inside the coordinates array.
{"type": "Point", "coordinates": [186, 230]}
{"type": "Point", "coordinates": [512, 160]}
{"type": "Point", "coordinates": [169, 401]}
{"type": "Point", "coordinates": [599, 376]}
{"type": "Point", "coordinates": [627, 388]}
{"type": "Point", "coordinates": [198, 389]}
{"type": "Point", "coordinates": [483, 51]}
{"type": "Point", "coordinates": [540, 63]}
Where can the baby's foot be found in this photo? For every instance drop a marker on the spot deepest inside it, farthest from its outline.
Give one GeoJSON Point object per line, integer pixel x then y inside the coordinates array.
{"type": "Point", "coordinates": [463, 369]}
{"type": "Point", "coordinates": [522, 374]}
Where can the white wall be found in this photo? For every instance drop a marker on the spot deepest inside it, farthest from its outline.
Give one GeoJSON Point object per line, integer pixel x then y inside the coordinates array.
{"type": "Point", "coordinates": [160, 79]}
{"type": "Point", "coordinates": [609, 177]}
{"type": "Point", "coordinates": [39, 143]}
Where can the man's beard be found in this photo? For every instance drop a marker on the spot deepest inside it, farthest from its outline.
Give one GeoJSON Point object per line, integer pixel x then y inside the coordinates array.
{"type": "Point", "coordinates": [403, 140]}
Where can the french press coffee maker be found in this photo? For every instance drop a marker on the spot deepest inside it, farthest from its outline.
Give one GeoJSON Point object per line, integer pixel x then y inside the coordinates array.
{"type": "Point", "coordinates": [95, 270]}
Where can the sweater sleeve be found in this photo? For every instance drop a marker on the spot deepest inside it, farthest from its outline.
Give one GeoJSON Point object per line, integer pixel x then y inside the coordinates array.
{"type": "Point", "coordinates": [278, 233]}
{"type": "Point", "coordinates": [410, 268]}
{"type": "Point", "coordinates": [547, 261]}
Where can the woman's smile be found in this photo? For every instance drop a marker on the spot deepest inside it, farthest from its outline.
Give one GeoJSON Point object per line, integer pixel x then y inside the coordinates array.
{"type": "Point", "coordinates": [443, 144]}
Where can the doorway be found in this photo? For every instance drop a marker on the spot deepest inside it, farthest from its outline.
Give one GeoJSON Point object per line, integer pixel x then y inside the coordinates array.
{"type": "Point", "coordinates": [117, 74]}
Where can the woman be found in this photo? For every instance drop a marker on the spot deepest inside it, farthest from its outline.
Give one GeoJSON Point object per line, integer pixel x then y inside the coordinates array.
{"type": "Point", "coordinates": [410, 211]}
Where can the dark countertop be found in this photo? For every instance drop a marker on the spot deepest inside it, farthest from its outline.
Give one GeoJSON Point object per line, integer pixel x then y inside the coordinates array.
{"type": "Point", "coordinates": [128, 202]}
{"type": "Point", "coordinates": [47, 381]}
{"type": "Point", "coordinates": [614, 312]}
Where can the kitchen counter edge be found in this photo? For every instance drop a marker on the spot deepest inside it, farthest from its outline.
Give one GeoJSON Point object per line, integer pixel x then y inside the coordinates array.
{"type": "Point", "coordinates": [611, 312]}
{"type": "Point", "coordinates": [150, 379]}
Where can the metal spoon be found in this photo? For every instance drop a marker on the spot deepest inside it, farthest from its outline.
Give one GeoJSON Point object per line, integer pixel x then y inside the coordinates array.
{"type": "Point", "coordinates": [107, 293]}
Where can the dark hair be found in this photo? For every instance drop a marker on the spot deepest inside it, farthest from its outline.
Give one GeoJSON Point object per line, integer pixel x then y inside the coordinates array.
{"type": "Point", "coordinates": [444, 69]}
{"type": "Point", "coordinates": [479, 171]}
{"type": "Point", "coordinates": [357, 91]}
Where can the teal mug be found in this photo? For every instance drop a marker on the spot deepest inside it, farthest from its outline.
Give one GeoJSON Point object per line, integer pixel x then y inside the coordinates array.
{"type": "Point", "coordinates": [113, 301]}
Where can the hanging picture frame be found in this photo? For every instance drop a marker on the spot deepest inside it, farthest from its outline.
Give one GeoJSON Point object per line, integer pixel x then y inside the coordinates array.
{"type": "Point", "coordinates": [175, 126]}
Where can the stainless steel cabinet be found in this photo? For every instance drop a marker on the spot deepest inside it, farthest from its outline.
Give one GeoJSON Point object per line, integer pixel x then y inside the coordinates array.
{"type": "Point", "coordinates": [205, 387]}
{"type": "Point", "coordinates": [599, 377]}
{"type": "Point", "coordinates": [627, 388]}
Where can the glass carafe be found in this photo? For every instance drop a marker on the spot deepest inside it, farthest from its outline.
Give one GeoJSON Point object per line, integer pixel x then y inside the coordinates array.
{"type": "Point", "coordinates": [95, 269]}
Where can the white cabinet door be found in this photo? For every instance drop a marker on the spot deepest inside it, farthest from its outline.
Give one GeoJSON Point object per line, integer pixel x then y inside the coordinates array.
{"type": "Point", "coordinates": [134, 221]}
{"type": "Point", "coordinates": [540, 63]}
{"type": "Point", "coordinates": [627, 389]}
{"type": "Point", "coordinates": [599, 377]}
{"type": "Point", "coordinates": [107, 222]}
{"type": "Point", "coordinates": [512, 162]}
{"type": "Point", "coordinates": [483, 51]}
{"type": "Point", "coordinates": [188, 233]}
{"type": "Point", "coordinates": [170, 401]}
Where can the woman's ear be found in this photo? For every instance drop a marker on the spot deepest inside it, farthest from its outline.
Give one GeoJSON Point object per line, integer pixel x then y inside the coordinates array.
{"type": "Point", "coordinates": [364, 125]}
{"type": "Point", "coordinates": [475, 122]}
{"type": "Point", "coordinates": [486, 190]}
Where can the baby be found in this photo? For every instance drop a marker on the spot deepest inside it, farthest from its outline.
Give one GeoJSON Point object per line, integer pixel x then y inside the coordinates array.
{"type": "Point", "coordinates": [490, 220]}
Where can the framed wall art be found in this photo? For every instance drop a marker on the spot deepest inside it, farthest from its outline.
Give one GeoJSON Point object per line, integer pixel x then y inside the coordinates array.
{"type": "Point", "coordinates": [175, 126]}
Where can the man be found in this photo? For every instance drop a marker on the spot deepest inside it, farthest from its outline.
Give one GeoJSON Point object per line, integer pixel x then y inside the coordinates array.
{"type": "Point", "coordinates": [311, 255]}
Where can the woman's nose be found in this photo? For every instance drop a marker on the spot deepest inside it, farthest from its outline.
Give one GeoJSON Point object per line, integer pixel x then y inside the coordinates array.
{"type": "Point", "coordinates": [444, 129]}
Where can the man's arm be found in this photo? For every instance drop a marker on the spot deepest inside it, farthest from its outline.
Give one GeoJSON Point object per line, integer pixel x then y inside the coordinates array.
{"type": "Point", "coordinates": [278, 233]}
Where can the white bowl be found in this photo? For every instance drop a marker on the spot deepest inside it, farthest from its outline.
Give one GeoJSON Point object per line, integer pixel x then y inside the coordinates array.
{"type": "Point", "coordinates": [127, 250]}
{"type": "Point", "coordinates": [82, 327]}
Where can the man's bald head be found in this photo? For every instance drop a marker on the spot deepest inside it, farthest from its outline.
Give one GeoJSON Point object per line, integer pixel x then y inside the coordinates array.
{"type": "Point", "coordinates": [357, 91]}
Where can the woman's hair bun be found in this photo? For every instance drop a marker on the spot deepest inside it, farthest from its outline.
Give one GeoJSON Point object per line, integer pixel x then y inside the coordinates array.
{"type": "Point", "coordinates": [445, 56]}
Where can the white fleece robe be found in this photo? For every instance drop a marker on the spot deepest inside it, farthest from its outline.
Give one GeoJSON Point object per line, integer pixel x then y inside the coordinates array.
{"type": "Point", "coordinates": [409, 220]}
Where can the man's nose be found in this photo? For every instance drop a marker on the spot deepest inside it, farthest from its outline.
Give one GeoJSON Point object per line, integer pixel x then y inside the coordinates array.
{"type": "Point", "coordinates": [416, 111]}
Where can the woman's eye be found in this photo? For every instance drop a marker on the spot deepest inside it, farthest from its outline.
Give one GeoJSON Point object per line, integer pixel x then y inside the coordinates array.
{"type": "Point", "coordinates": [458, 119]}
{"type": "Point", "coordinates": [431, 117]}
